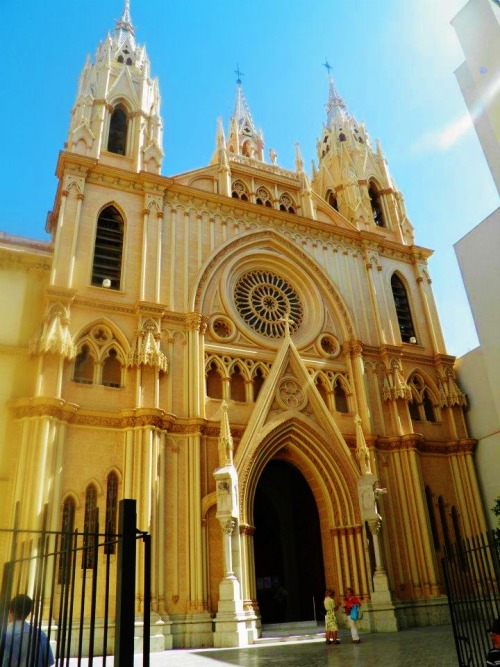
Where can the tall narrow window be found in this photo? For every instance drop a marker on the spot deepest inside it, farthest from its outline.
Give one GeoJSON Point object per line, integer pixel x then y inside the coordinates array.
{"type": "Point", "coordinates": [376, 204]}
{"type": "Point", "coordinates": [89, 527]}
{"type": "Point", "coordinates": [402, 309]}
{"type": "Point", "coordinates": [112, 370]}
{"type": "Point", "coordinates": [320, 386]}
{"type": "Point", "coordinates": [428, 406]}
{"type": "Point", "coordinates": [117, 140]}
{"type": "Point", "coordinates": [237, 385]}
{"type": "Point", "coordinates": [214, 382]}
{"type": "Point", "coordinates": [444, 524]}
{"type": "Point", "coordinates": [340, 399]}
{"type": "Point", "coordinates": [67, 527]}
{"type": "Point", "coordinates": [258, 381]}
{"type": "Point", "coordinates": [432, 518]}
{"type": "Point", "coordinates": [84, 367]}
{"type": "Point", "coordinates": [331, 198]}
{"type": "Point", "coordinates": [111, 511]}
{"type": "Point", "coordinates": [107, 265]}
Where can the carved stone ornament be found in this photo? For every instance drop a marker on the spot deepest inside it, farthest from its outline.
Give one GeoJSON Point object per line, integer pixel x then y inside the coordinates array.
{"type": "Point", "coordinates": [228, 525]}
{"type": "Point", "coordinates": [395, 385]}
{"type": "Point", "coordinates": [362, 450]}
{"type": "Point", "coordinates": [146, 350]}
{"type": "Point", "coordinates": [449, 392]}
{"type": "Point", "coordinates": [290, 394]}
{"type": "Point", "coordinates": [55, 337]}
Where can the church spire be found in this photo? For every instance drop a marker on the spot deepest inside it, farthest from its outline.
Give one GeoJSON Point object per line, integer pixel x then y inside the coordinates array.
{"type": "Point", "coordinates": [244, 138]}
{"type": "Point", "coordinates": [124, 28]}
{"type": "Point", "coordinates": [352, 177]}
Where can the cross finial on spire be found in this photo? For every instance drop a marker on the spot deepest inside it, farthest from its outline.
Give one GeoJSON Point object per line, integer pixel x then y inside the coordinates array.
{"type": "Point", "coordinates": [327, 66]}
{"type": "Point", "coordinates": [238, 73]}
{"type": "Point", "coordinates": [287, 320]}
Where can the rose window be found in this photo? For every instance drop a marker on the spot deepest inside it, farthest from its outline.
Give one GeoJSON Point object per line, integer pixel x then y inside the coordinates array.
{"type": "Point", "coordinates": [267, 302]}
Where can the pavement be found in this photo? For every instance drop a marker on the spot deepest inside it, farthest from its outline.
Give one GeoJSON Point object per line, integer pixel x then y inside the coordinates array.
{"type": "Point", "coordinates": [417, 647]}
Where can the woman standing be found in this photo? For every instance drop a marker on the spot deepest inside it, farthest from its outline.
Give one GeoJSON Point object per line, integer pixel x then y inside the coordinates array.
{"type": "Point", "coordinates": [352, 601]}
{"type": "Point", "coordinates": [331, 626]}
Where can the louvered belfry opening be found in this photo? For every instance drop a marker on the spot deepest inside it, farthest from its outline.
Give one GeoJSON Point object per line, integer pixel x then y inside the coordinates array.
{"type": "Point", "coordinates": [117, 140]}
{"type": "Point", "coordinates": [402, 309]}
{"type": "Point", "coordinates": [108, 249]}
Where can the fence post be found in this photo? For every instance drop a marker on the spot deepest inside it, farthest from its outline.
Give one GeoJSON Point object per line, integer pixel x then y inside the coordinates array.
{"type": "Point", "coordinates": [125, 585]}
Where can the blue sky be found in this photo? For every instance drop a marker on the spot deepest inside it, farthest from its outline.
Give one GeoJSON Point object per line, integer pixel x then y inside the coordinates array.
{"type": "Point", "coordinates": [393, 64]}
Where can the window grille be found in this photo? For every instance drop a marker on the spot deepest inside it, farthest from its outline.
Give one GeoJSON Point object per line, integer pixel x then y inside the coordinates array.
{"type": "Point", "coordinates": [108, 249]}
{"type": "Point", "coordinates": [402, 309]}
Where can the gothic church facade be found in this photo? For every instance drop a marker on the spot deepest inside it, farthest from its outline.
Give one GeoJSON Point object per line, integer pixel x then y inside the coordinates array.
{"type": "Point", "coordinates": [252, 353]}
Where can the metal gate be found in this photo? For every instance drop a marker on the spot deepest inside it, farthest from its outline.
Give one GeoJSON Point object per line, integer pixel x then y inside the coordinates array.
{"type": "Point", "coordinates": [83, 588]}
{"type": "Point", "coordinates": [472, 574]}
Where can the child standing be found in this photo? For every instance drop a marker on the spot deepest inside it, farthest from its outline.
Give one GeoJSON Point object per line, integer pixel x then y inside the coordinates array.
{"type": "Point", "coordinates": [331, 625]}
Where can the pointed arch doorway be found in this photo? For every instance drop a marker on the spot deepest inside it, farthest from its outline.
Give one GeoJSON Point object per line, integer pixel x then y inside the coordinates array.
{"type": "Point", "coordinates": [289, 565]}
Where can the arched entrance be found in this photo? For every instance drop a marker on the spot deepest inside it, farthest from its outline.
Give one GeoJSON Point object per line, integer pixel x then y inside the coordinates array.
{"type": "Point", "coordinates": [288, 553]}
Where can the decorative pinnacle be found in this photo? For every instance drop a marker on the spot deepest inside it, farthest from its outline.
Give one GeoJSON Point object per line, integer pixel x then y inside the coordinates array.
{"type": "Point", "coordinates": [225, 438]}
{"type": "Point", "coordinates": [125, 22]}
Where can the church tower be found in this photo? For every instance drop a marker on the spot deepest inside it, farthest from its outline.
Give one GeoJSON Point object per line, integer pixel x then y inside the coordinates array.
{"type": "Point", "coordinates": [354, 178]}
{"type": "Point", "coordinates": [116, 116]}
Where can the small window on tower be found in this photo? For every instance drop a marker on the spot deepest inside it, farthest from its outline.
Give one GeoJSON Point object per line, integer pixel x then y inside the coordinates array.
{"type": "Point", "coordinates": [332, 200]}
{"type": "Point", "coordinates": [117, 140]}
{"type": "Point", "coordinates": [376, 204]}
{"type": "Point", "coordinates": [107, 265]}
{"type": "Point", "coordinates": [403, 311]}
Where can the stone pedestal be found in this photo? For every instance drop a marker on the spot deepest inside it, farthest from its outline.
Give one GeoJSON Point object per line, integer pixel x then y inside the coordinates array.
{"type": "Point", "coordinates": [231, 620]}
{"type": "Point", "coordinates": [382, 608]}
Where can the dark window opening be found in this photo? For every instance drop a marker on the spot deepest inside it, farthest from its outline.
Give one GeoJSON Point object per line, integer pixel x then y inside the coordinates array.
{"type": "Point", "coordinates": [432, 518]}
{"type": "Point", "coordinates": [332, 200]}
{"type": "Point", "coordinates": [376, 204]}
{"type": "Point", "coordinates": [238, 385]}
{"type": "Point", "coordinates": [414, 411]}
{"type": "Point", "coordinates": [340, 396]}
{"type": "Point", "coordinates": [322, 391]}
{"type": "Point", "coordinates": [342, 137]}
{"type": "Point", "coordinates": [111, 512]}
{"type": "Point", "coordinates": [107, 264]}
{"type": "Point", "coordinates": [428, 406]}
{"type": "Point", "coordinates": [67, 527]}
{"type": "Point", "coordinates": [258, 381]}
{"type": "Point", "coordinates": [214, 382]}
{"type": "Point", "coordinates": [120, 59]}
{"type": "Point", "coordinates": [402, 309]}
{"type": "Point", "coordinates": [444, 524]}
{"type": "Point", "coordinates": [129, 61]}
{"type": "Point", "coordinates": [112, 370]}
{"type": "Point", "coordinates": [117, 140]}
{"type": "Point", "coordinates": [84, 367]}
{"type": "Point", "coordinates": [89, 528]}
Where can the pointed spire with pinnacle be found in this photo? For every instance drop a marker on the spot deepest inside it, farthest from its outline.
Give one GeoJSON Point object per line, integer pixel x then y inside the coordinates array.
{"type": "Point", "coordinates": [335, 108]}
{"type": "Point", "coordinates": [362, 450]}
{"type": "Point", "coordinates": [225, 439]}
{"type": "Point", "coordinates": [124, 24]}
{"type": "Point", "coordinates": [244, 138]}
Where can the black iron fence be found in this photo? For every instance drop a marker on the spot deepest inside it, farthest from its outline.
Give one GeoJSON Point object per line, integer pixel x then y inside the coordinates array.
{"type": "Point", "coordinates": [83, 587]}
{"type": "Point", "coordinates": [472, 574]}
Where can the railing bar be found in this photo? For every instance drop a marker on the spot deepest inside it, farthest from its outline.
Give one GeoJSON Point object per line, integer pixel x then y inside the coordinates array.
{"type": "Point", "coordinates": [93, 600]}
{"type": "Point", "coordinates": [71, 597]}
{"type": "Point", "coordinates": [85, 553]}
{"type": "Point", "coordinates": [106, 608]}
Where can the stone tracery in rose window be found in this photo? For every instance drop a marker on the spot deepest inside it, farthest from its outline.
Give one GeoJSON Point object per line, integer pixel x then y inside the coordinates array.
{"type": "Point", "coordinates": [264, 299]}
